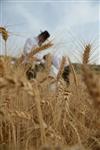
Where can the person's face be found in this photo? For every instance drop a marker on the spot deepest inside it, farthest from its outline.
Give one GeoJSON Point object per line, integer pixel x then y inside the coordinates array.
{"type": "Point", "coordinates": [41, 39]}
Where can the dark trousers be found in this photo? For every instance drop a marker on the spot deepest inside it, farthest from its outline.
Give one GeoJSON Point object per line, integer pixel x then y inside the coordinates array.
{"type": "Point", "coordinates": [32, 72]}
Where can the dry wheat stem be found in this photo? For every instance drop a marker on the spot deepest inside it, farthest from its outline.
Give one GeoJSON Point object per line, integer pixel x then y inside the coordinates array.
{"type": "Point", "coordinates": [61, 68]}
{"type": "Point", "coordinates": [74, 73]}
{"type": "Point", "coordinates": [40, 116]}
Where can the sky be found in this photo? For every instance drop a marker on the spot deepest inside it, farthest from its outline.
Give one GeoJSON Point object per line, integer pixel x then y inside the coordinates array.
{"type": "Point", "coordinates": [71, 24]}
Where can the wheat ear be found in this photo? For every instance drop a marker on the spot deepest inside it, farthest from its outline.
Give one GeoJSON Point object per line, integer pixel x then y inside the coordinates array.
{"type": "Point", "coordinates": [61, 68]}
{"type": "Point", "coordinates": [86, 54]}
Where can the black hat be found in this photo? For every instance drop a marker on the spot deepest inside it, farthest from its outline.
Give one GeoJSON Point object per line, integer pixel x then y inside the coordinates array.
{"type": "Point", "coordinates": [45, 34]}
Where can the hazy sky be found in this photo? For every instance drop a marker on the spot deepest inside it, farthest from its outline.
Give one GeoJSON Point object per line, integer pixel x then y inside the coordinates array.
{"type": "Point", "coordinates": [70, 22]}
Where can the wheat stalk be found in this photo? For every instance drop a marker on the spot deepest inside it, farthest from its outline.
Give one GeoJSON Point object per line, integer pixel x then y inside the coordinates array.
{"type": "Point", "coordinates": [48, 63]}
{"type": "Point", "coordinates": [74, 73]}
{"type": "Point", "coordinates": [86, 54]}
{"type": "Point", "coordinates": [5, 36]}
{"type": "Point", "coordinates": [61, 68]}
{"type": "Point", "coordinates": [4, 33]}
{"type": "Point", "coordinates": [41, 121]}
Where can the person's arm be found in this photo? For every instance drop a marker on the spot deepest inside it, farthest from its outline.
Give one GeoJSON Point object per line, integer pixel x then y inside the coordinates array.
{"type": "Point", "coordinates": [27, 53]}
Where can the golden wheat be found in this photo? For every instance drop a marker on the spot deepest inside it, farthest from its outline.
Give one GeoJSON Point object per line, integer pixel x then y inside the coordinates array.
{"type": "Point", "coordinates": [32, 115]}
{"type": "Point", "coordinates": [93, 85]}
{"type": "Point", "coordinates": [61, 67]}
{"type": "Point", "coordinates": [4, 33]}
{"type": "Point", "coordinates": [41, 48]}
{"type": "Point", "coordinates": [86, 54]}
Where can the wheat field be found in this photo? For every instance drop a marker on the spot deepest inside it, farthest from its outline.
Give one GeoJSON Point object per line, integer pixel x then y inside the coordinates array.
{"type": "Point", "coordinates": [44, 113]}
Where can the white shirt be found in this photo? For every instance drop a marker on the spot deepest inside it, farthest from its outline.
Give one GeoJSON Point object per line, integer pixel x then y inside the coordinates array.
{"type": "Point", "coordinates": [33, 43]}
{"type": "Point", "coordinates": [56, 62]}
{"type": "Point", "coordinates": [29, 44]}
{"type": "Point", "coordinates": [56, 56]}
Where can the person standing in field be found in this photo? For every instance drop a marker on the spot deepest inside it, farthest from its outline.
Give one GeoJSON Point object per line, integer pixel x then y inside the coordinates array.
{"type": "Point", "coordinates": [41, 57]}
{"type": "Point", "coordinates": [33, 43]}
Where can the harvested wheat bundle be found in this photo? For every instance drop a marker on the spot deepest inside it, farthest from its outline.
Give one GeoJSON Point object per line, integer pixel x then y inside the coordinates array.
{"type": "Point", "coordinates": [93, 85]}
{"type": "Point", "coordinates": [34, 51]}
{"type": "Point", "coordinates": [86, 54]}
{"type": "Point", "coordinates": [41, 48]}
